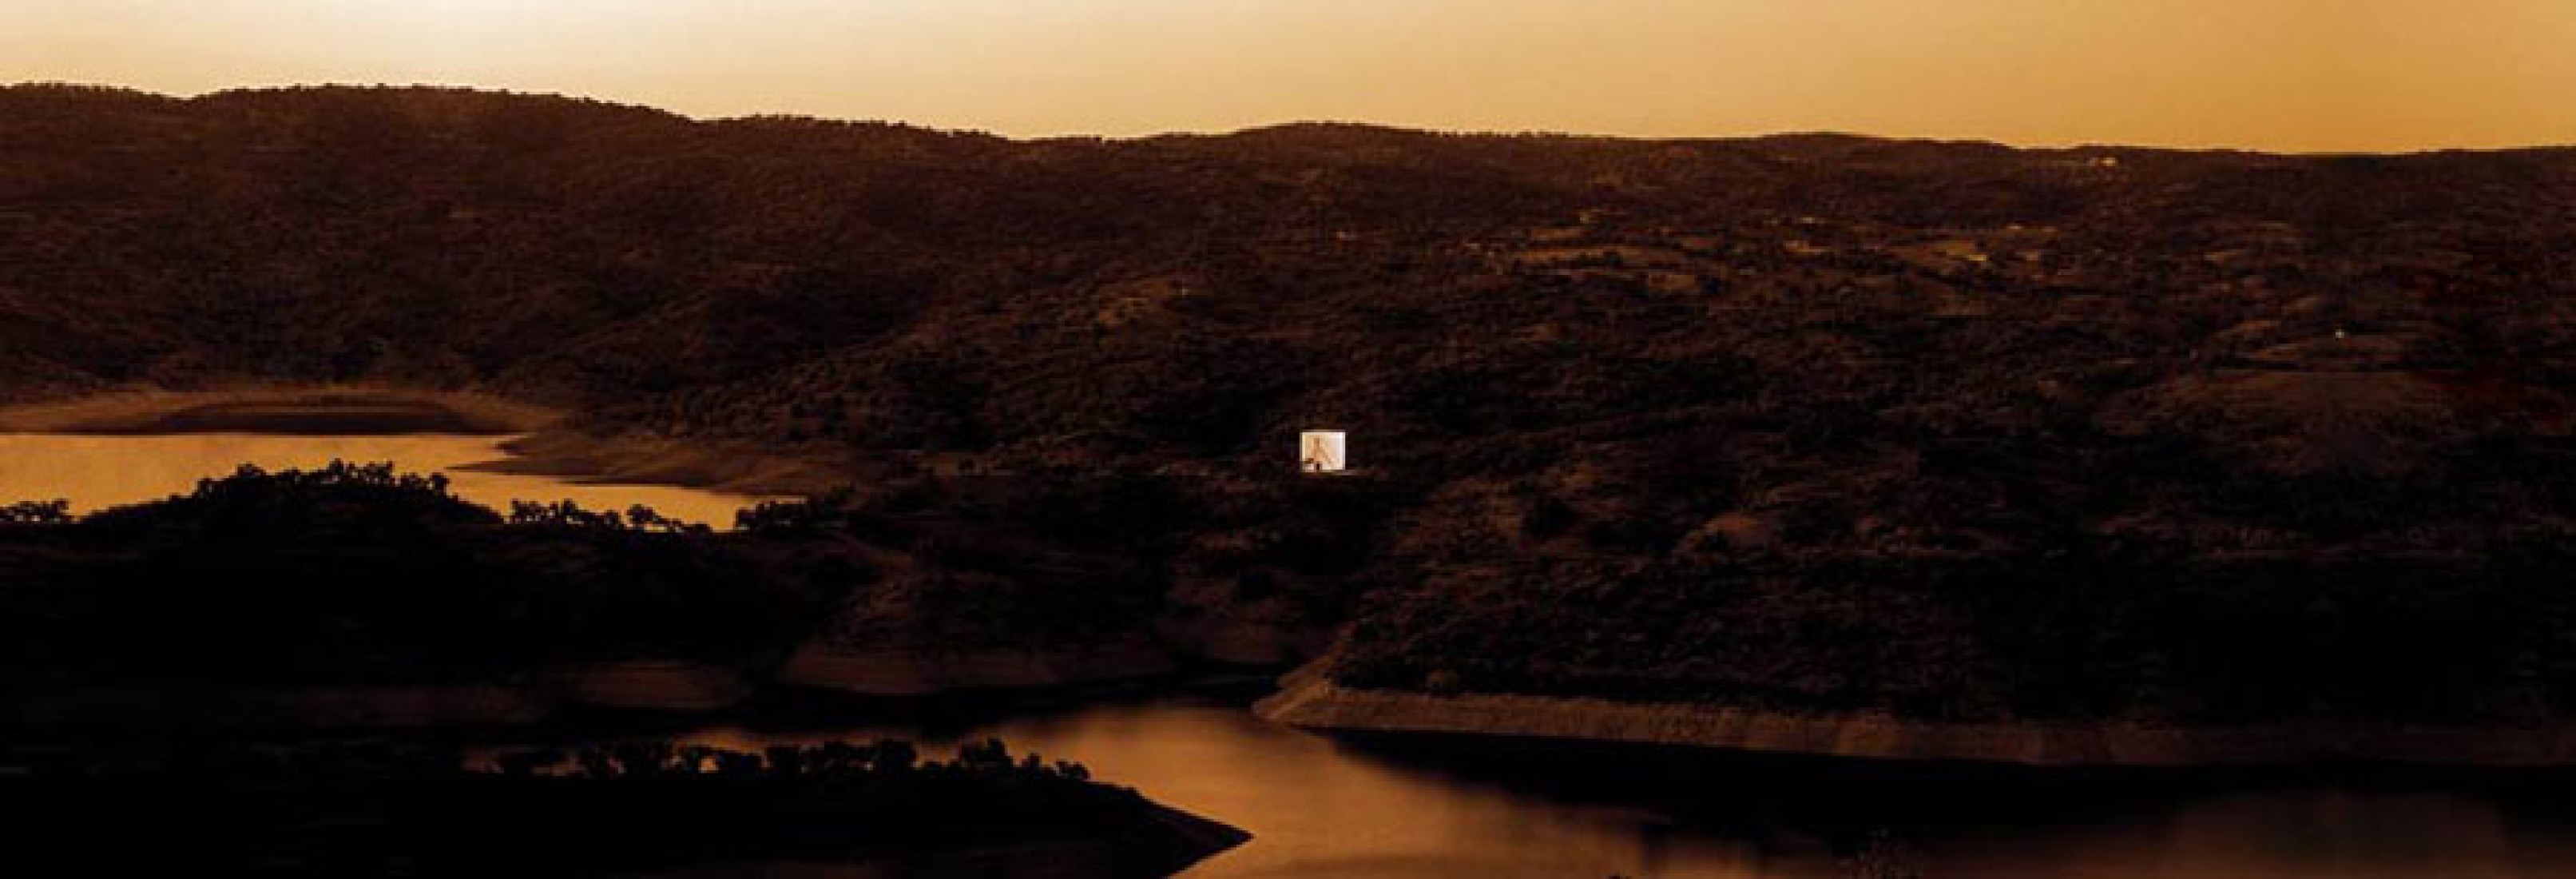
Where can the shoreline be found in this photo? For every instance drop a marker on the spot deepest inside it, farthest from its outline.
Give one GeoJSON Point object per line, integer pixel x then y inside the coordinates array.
{"type": "Point", "coordinates": [1308, 700]}
{"type": "Point", "coordinates": [713, 465]}
{"type": "Point", "coordinates": [538, 437]}
{"type": "Point", "coordinates": [356, 410]}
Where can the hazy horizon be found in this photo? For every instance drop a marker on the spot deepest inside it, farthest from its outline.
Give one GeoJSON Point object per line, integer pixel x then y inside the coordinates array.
{"type": "Point", "coordinates": [2270, 75]}
{"type": "Point", "coordinates": [1290, 123]}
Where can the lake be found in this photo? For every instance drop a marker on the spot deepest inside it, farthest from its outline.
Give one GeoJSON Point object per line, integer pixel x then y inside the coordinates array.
{"type": "Point", "coordinates": [1325, 807]}
{"type": "Point", "coordinates": [98, 471]}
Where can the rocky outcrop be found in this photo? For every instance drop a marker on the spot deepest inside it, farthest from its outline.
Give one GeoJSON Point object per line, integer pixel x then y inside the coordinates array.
{"type": "Point", "coordinates": [636, 460]}
{"type": "Point", "coordinates": [1310, 700]}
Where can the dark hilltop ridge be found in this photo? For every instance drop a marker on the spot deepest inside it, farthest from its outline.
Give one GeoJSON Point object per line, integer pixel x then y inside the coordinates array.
{"type": "Point", "coordinates": [1812, 427]}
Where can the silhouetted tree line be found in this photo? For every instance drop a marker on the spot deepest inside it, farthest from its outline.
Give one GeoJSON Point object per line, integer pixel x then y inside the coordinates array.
{"type": "Point", "coordinates": [338, 496]}
{"type": "Point", "coordinates": [361, 571]}
{"type": "Point", "coordinates": [830, 760]}
{"type": "Point", "coordinates": [380, 806]}
{"type": "Point", "coordinates": [53, 512]}
{"type": "Point", "coordinates": [567, 514]}
{"type": "Point", "coordinates": [250, 493]}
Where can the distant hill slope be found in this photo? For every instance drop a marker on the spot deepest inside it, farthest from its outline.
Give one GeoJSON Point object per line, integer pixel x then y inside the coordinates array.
{"type": "Point", "coordinates": [1694, 358]}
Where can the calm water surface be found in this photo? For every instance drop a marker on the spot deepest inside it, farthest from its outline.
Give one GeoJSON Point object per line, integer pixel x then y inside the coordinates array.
{"type": "Point", "coordinates": [1322, 807]}
{"type": "Point", "coordinates": [94, 472]}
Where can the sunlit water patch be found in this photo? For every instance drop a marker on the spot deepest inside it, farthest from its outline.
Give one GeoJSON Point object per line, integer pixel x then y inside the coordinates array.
{"type": "Point", "coordinates": [1322, 807]}
{"type": "Point", "coordinates": [95, 472]}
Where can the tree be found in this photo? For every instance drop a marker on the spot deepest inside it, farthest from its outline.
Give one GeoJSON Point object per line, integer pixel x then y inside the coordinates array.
{"type": "Point", "coordinates": [53, 512]}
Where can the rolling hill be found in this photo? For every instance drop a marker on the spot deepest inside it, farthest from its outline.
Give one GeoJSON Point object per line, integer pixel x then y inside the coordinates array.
{"type": "Point", "coordinates": [1808, 422]}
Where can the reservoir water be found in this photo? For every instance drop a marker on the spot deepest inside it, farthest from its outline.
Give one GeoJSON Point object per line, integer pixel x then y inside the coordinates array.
{"type": "Point", "coordinates": [1330, 808]}
{"type": "Point", "coordinates": [1326, 807]}
{"type": "Point", "coordinates": [98, 471]}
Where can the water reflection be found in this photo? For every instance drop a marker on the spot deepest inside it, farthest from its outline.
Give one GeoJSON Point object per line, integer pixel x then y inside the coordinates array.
{"type": "Point", "coordinates": [1321, 807]}
{"type": "Point", "coordinates": [2287, 832]}
{"type": "Point", "coordinates": [94, 472]}
{"type": "Point", "coordinates": [1318, 808]}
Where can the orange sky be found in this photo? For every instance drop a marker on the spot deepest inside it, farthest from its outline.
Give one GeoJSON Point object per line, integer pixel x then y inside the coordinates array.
{"type": "Point", "coordinates": [2268, 74]}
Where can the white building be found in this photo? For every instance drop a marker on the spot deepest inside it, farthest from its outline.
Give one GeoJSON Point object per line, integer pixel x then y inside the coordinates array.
{"type": "Point", "coordinates": [1323, 451]}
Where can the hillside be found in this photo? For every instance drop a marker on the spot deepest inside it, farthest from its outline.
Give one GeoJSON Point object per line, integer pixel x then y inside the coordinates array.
{"type": "Point", "coordinates": [1803, 422]}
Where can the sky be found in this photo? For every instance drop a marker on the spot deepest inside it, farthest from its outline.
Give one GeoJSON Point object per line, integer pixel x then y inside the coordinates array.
{"type": "Point", "coordinates": [2284, 75]}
